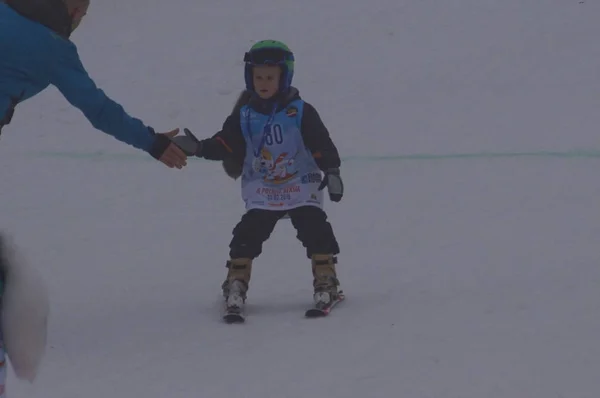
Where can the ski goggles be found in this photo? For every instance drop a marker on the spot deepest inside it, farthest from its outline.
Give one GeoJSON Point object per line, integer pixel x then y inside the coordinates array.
{"type": "Point", "coordinates": [268, 56]}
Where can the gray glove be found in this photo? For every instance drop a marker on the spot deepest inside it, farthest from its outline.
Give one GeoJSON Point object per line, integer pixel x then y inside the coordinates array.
{"type": "Point", "coordinates": [334, 184]}
{"type": "Point", "coordinates": [188, 143]}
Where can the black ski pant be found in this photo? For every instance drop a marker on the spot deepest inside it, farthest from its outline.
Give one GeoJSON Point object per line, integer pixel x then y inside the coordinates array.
{"type": "Point", "coordinates": [310, 222]}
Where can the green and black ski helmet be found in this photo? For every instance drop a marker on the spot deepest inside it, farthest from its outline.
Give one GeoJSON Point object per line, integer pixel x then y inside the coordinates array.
{"type": "Point", "coordinates": [270, 52]}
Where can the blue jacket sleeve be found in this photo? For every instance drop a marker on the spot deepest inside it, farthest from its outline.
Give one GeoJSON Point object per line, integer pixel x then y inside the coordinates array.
{"type": "Point", "coordinates": [72, 80]}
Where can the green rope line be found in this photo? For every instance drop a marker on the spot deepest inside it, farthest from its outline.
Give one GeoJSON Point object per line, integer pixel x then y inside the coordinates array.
{"type": "Point", "coordinates": [575, 154]}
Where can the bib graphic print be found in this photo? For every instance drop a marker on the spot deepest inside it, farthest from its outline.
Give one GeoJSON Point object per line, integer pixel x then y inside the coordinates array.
{"type": "Point", "coordinates": [279, 171]}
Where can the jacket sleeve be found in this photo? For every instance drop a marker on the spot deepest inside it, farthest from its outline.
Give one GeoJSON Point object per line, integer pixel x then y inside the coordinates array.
{"type": "Point", "coordinates": [317, 139]}
{"type": "Point", "coordinates": [227, 143]}
{"type": "Point", "coordinates": [72, 80]}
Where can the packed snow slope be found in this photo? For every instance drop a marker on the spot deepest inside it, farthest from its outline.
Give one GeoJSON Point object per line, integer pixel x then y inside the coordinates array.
{"type": "Point", "coordinates": [469, 229]}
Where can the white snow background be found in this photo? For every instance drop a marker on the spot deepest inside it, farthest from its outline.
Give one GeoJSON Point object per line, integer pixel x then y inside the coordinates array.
{"type": "Point", "coordinates": [469, 131]}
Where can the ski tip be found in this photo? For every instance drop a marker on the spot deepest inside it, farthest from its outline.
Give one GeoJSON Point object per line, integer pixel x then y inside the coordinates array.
{"type": "Point", "coordinates": [234, 318]}
{"type": "Point", "coordinates": [315, 313]}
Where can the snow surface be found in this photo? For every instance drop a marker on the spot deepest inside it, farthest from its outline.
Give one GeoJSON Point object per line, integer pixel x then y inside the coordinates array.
{"type": "Point", "coordinates": [469, 229]}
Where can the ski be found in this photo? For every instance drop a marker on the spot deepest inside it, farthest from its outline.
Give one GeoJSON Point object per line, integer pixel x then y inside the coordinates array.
{"type": "Point", "coordinates": [234, 306]}
{"type": "Point", "coordinates": [320, 310]}
{"type": "Point", "coordinates": [234, 314]}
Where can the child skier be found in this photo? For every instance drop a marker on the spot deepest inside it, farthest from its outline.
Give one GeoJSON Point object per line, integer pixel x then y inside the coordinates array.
{"type": "Point", "coordinates": [279, 145]}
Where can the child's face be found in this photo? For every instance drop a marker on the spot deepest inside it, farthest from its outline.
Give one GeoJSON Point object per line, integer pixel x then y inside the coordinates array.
{"type": "Point", "coordinates": [266, 80]}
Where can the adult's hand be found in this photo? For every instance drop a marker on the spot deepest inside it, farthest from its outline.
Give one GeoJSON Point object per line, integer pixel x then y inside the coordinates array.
{"type": "Point", "coordinates": [167, 152]}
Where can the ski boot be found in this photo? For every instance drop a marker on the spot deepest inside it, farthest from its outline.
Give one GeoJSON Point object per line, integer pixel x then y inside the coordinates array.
{"type": "Point", "coordinates": [327, 293]}
{"type": "Point", "coordinates": [325, 281]}
{"type": "Point", "coordinates": [235, 288]}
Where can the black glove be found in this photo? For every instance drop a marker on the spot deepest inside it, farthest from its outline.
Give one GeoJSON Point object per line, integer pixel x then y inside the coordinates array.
{"type": "Point", "coordinates": [160, 145]}
{"type": "Point", "coordinates": [188, 143]}
{"type": "Point", "coordinates": [334, 184]}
